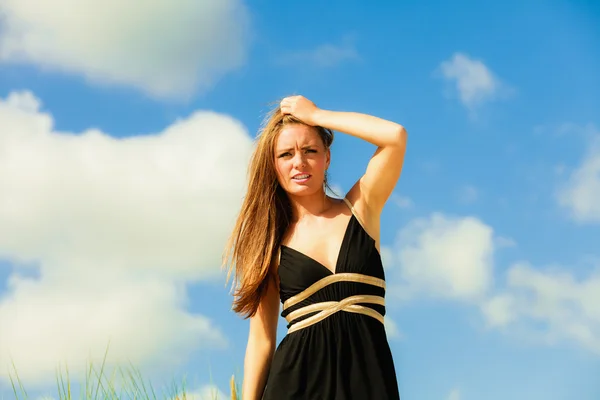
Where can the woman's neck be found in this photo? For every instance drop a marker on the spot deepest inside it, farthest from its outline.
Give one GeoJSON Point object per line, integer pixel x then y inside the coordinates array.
{"type": "Point", "coordinates": [312, 205]}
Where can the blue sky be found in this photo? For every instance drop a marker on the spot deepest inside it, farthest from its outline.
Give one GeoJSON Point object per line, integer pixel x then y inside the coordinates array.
{"type": "Point", "coordinates": [124, 139]}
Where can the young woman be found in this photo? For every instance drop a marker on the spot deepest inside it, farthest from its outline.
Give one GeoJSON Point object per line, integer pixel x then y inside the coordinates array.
{"type": "Point", "coordinates": [317, 255]}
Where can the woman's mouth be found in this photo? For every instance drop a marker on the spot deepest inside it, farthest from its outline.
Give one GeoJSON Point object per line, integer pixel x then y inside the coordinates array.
{"type": "Point", "coordinates": [301, 178]}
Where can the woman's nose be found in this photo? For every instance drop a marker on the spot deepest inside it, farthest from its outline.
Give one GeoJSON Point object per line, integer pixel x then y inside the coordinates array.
{"type": "Point", "coordinates": [299, 160]}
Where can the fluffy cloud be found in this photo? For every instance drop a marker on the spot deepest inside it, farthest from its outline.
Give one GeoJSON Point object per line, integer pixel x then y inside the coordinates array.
{"type": "Point", "coordinates": [113, 229]}
{"type": "Point", "coordinates": [391, 328]}
{"type": "Point", "coordinates": [323, 56]}
{"type": "Point", "coordinates": [468, 194]}
{"type": "Point", "coordinates": [580, 193]}
{"type": "Point", "coordinates": [402, 201]}
{"type": "Point", "coordinates": [166, 48]}
{"type": "Point", "coordinates": [446, 257]}
{"type": "Point", "coordinates": [207, 392]}
{"type": "Point", "coordinates": [453, 258]}
{"type": "Point", "coordinates": [454, 394]}
{"type": "Point", "coordinates": [474, 81]}
{"type": "Point", "coordinates": [567, 308]}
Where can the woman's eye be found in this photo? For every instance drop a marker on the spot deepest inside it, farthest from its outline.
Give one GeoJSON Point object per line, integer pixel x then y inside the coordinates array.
{"type": "Point", "coordinates": [287, 153]}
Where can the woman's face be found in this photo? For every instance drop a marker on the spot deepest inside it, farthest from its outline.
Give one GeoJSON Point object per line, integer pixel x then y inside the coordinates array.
{"type": "Point", "coordinates": [300, 159]}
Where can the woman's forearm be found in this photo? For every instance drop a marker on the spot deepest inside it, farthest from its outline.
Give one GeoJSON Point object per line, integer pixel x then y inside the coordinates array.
{"type": "Point", "coordinates": [378, 131]}
{"type": "Point", "coordinates": [262, 337]}
{"type": "Point", "coordinates": [256, 368]}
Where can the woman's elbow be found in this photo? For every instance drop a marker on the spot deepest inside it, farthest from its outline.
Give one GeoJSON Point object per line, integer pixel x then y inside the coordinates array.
{"type": "Point", "coordinates": [401, 135]}
{"type": "Point", "coordinates": [262, 337]}
{"type": "Point", "coordinates": [263, 344]}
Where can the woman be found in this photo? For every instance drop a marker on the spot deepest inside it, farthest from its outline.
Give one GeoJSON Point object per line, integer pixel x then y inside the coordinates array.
{"type": "Point", "coordinates": [319, 256]}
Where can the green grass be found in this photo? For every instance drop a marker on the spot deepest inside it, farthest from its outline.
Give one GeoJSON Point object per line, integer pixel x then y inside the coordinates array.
{"type": "Point", "coordinates": [122, 383]}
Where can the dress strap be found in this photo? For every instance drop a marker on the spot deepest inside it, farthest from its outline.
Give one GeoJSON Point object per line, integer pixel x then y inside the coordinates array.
{"type": "Point", "coordinates": [351, 207]}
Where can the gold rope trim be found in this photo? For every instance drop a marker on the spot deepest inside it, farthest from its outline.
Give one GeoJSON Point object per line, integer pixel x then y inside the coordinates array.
{"type": "Point", "coordinates": [328, 280]}
{"type": "Point", "coordinates": [328, 308]}
{"type": "Point", "coordinates": [329, 304]}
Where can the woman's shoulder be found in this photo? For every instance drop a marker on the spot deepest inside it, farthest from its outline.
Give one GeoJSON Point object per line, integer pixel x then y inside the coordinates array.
{"type": "Point", "coordinates": [366, 218]}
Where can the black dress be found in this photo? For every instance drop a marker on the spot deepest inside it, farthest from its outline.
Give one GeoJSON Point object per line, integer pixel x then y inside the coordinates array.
{"type": "Point", "coordinates": [337, 348]}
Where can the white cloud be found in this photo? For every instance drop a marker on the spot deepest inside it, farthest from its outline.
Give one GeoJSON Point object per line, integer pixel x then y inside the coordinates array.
{"type": "Point", "coordinates": [474, 81]}
{"type": "Point", "coordinates": [444, 256]}
{"type": "Point", "coordinates": [567, 308]}
{"type": "Point", "coordinates": [579, 194]}
{"type": "Point", "coordinates": [207, 392]}
{"type": "Point", "coordinates": [504, 242]}
{"type": "Point", "coordinates": [454, 395]}
{"type": "Point", "coordinates": [499, 310]}
{"type": "Point", "coordinates": [323, 56]}
{"type": "Point", "coordinates": [468, 194]}
{"type": "Point", "coordinates": [402, 201]}
{"type": "Point", "coordinates": [452, 258]}
{"type": "Point", "coordinates": [166, 48]}
{"type": "Point", "coordinates": [115, 228]}
{"type": "Point", "coordinates": [391, 328]}
{"type": "Point", "coordinates": [387, 256]}
{"type": "Point", "coordinates": [567, 130]}
{"type": "Point", "coordinates": [430, 167]}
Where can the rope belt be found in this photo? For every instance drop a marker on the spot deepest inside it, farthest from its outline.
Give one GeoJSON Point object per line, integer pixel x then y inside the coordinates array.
{"type": "Point", "coordinates": [327, 308]}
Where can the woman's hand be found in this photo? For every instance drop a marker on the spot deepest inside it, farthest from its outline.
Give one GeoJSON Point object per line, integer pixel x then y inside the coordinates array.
{"type": "Point", "coordinates": [301, 108]}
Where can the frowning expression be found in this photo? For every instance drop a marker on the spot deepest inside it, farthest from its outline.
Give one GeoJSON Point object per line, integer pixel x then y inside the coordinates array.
{"type": "Point", "coordinates": [301, 159]}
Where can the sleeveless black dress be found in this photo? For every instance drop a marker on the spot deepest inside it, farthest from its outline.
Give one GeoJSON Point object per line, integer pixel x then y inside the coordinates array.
{"type": "Point", "coordinates": [336, 347]}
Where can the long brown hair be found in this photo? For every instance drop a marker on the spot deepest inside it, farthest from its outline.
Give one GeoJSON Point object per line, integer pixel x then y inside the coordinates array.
{"type": "Point", "coordinates": [264, 218]}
